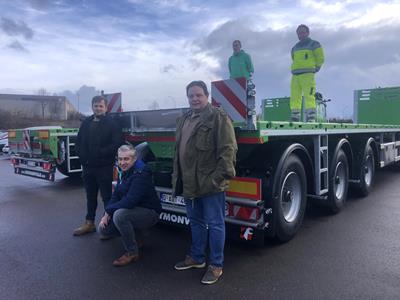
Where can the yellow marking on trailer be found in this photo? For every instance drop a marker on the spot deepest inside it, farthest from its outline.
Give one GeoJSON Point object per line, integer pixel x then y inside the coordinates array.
{"type": "Point", "coordinates": [43, 134]}
{"type": "Point", "coordinates": [245, 187]}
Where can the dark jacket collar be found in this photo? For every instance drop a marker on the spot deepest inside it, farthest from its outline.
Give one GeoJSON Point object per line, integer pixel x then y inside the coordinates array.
{"type": "Point", "coordinates": [304, 42]}
{"type": "Point", "coordinates": [91, 118]}
{"type": "Point", "coordinates": [137, 167]}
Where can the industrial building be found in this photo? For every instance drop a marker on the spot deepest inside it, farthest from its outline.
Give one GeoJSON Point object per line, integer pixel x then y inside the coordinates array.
{"type": "Point", "coordinates": [37, 106]}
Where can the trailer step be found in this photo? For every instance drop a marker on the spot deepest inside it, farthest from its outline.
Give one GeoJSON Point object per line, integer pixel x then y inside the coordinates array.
{"type": "Point", "coordinates": [389, 150]}
{"type": "Point", "coordinates": [321, 164]}
{"type": "Point", "coordinates": [70, 147]}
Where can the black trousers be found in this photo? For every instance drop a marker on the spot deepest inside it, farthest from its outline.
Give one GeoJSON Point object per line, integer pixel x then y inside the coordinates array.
{"type": "Point", "coordinates": [97, 179]}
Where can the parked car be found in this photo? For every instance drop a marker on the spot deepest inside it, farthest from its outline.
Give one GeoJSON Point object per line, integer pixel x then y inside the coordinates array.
{"type": "Point", "coordinates": [3, 140]}
{"type": "Point", "coordinates": [5, 149]}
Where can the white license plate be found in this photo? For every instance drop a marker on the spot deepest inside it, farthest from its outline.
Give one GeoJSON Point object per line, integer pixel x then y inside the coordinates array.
{"type": "Point", "coordinates": [32, 173]}
{"type": "Point", "coordinates": [167, 198]}
{"type": "Point", "coordinates": [31, 163]}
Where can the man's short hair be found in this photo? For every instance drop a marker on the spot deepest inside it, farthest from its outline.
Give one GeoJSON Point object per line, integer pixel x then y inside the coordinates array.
{"type": "Point", "coordinates": [304, 26]}
{"type": "Point", "coordinates": [127, 148]}
{"type": "Point", "coordinates": [237, 41]}
{"type": "Point", "coordinates": [198, 83]}
{"type": "Point", "coordinates": [97, 99]}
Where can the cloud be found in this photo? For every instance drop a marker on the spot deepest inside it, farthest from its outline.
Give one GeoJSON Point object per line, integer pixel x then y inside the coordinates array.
{"type": "Point", "coordinates": [181, 5]}
{"type": "Point", "coordinates": [380, 12]}
{"type": "Point", "coordinates": [39, 4]}
{"type": "Point", "coordinates": [168, 68]}
{"type": "Point", "coordinates": [16, 28]}
{"type": "Point", "coordinates": [150, 50]}
{"type": "Point", "coordinates": [81, 98]}
{"type": "Point", "coordinates": [324, 6]}
{"type": "Point", "coordinates": [356, 58]}
{"type": "Point", "coordinates": [17, 46]}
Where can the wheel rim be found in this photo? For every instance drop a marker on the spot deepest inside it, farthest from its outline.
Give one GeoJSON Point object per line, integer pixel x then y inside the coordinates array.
{"type": "Point", "coordinates": [291, 196]}
{"type": "Point", "coordinates": [368, 169]}
{"type": "Point", "coordinates": [339, 180]}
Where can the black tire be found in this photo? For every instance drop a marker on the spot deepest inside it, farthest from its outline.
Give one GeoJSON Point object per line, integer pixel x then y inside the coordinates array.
{"type": "Point", "coordinates": [290, 196]}
{"type": "Point", "coordinates": [338, 182]}
{"type": "Point", "coordinates": [367, 172]}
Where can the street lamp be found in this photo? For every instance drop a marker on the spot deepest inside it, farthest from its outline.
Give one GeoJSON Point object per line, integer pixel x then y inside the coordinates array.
{"type": "Point", "coordinates": [78, 100]}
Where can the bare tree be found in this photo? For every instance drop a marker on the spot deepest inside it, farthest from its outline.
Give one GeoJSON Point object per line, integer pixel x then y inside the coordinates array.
{"type": "Point", "coordinates": [43, 102]}
{"type": "Point", "coordinates": [55, 108]}
{"type": "Point", "coordinates": [42, 92]}
{"type": "Point", "coordinates": [154, 105]}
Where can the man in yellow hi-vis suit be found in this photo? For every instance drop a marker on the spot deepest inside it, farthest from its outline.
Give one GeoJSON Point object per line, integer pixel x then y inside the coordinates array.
{"type": "Point", "coordinates": [307, 57]}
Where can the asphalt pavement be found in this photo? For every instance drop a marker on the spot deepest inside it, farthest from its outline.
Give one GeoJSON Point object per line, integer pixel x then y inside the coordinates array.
{"type": "Point", "coordinates": [352, 255]}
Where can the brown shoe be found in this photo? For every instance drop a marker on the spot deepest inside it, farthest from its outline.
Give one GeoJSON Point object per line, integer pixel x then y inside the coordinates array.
{"type": "Point", "coordinates": [88, 227]}
{"type": "Point", "coordinates": [125, 260]}
{"type": "Point", "coordinates": [212, 275]}
{"type": "Point", "coordinates": [189, 263]}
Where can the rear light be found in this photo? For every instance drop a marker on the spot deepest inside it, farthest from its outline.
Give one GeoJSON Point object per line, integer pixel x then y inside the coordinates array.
{"type": "Point", "coordinates": [14, 161]}
{"type": "Point", "coordinates": [36, 145]}
{"type": "Point", "coordinates": [115, 173]}
{"type": "Point", "coordinates": [46, 166]}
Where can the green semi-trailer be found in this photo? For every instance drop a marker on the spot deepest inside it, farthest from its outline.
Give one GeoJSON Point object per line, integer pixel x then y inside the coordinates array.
{"type": "Point", "coordinates": [280, 165]}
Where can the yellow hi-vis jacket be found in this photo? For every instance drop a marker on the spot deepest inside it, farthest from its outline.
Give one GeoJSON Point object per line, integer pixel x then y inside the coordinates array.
{"type": "Point", "coordinates": [307, 56]}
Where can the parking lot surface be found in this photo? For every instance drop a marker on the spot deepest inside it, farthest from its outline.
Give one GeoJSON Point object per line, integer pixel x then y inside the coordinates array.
{"type": "Point", "coordinates": [352, 255]}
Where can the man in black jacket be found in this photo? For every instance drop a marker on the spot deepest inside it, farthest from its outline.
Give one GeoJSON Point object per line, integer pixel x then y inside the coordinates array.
{"type": "Point", "coordinates": [134, 205]}
{"type": "Point", "coordinates": [98, 140]}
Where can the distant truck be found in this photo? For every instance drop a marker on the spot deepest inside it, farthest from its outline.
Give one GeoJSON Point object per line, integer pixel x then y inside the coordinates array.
{"type": "Point", "coordinates": [280, 165]}
{"type": "Point", "coordinates": [40, 151]}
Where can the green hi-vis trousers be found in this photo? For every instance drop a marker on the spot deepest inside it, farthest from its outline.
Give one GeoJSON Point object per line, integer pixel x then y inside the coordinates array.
{"type": "Point", "coordinates": [302, 84]}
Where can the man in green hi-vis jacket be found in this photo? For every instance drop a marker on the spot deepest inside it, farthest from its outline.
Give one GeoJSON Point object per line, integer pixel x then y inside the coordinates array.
{"type": "Point", "coordinates": [307, 59]}
{"type": "Point", "coordinates": [240, 64]}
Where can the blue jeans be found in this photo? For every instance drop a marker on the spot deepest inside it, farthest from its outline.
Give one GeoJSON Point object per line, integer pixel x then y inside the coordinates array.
{"type": "Point", "coordinates": [128, 223]}
{"type": "Point", "coordinates": [207, 223]}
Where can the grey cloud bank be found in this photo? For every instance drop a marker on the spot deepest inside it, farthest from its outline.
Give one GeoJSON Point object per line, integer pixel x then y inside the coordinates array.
{"type": "Point", "coordinates": [356, 58]}
{"type": "Point", "coordinates": [40, 4]}
{"type": "Point", "coordinates": [17, 46]}
{"type": "Point", "coordinates": [16, 28]}
{"type": "Point", "coordinates": [130, 46]}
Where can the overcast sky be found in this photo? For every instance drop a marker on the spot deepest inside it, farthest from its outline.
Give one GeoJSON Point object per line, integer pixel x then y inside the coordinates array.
{"type": "Point", "coordinates": [149, 50]}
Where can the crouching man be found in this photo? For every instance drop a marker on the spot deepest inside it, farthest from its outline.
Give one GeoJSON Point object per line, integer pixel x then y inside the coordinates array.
{"type": "Point", "coordinates": [133, 206]}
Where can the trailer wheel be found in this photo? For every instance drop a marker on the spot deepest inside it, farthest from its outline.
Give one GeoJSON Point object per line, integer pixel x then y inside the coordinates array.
{"type": "Point", "coordinates": [339, 182]}
{"type": "Point", "coordinates": [291, 198]}
{"type": "Point", "coordinates": [367, 172]}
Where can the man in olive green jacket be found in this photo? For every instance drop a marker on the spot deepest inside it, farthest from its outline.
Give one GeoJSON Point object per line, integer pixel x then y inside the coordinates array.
{"type": "Point", "coordinates": [205, 157]}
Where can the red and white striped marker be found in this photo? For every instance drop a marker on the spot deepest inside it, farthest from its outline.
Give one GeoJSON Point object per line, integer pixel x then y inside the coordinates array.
{"type": "Point", "coordinates": [26, 139]}
{"type": "Point", "coordinates": [231, 95]}
{"type": "Point", "coordinates": [114, 102]}
{"type": "Point", "coordinates": [244, 213]}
